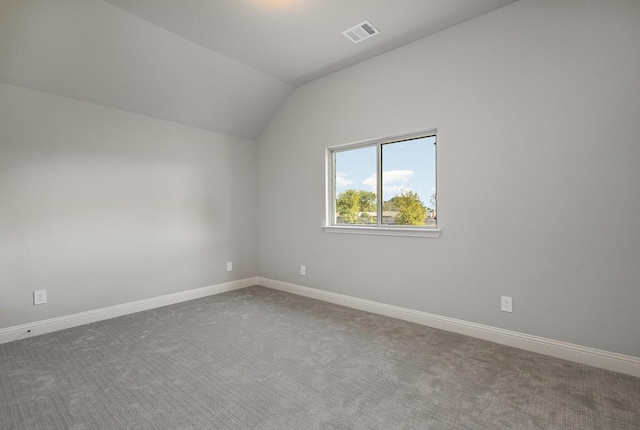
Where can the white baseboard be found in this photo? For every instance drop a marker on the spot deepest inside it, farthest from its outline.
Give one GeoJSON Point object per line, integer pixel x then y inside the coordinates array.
{"type": "Point", "coordinates": [594, 357]}
{"type": "Point", "coordinates": [60, 323]}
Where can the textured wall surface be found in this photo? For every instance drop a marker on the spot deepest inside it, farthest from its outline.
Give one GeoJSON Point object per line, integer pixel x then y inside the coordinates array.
{"type": "Point", "coordinates": [92, 51]}
{"type": "Point", "coordinates": [536, 106]}
{"type": "Point", "coordinates": [102, 207]}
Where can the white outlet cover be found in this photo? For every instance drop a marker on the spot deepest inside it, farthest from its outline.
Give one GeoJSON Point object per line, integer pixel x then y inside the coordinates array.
{"type": "Point", "coordinates": [506, 304]}
{"type": "Point", "coordinates": [229, 266]}
{"type": "Point", "coordinates": [303, 270]}
{"type": "Point", "coordinates": [40, 297]}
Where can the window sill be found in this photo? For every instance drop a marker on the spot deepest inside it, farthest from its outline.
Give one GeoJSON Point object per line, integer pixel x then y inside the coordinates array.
{"type": "Point", "coordinates": [383, 231]}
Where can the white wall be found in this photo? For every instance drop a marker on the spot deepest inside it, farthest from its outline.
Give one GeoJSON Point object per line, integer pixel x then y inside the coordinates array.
{"type": "Point", "coordinates": [92, 51]}
{"type": "Point", "coordinates": [537, 107]}
{"type": "Point", "coordinates": [102, 207]}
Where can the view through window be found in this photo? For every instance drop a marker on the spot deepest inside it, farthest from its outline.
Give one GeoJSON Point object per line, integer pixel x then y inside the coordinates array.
{"type": "Point", "coordinates": [385, 183]}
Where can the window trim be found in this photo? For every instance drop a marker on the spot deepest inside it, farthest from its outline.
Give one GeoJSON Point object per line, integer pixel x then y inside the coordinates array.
{"type": "Point", "coordinates": [384, 231]}
{"type": "Point", "coordinates": [379, 229]}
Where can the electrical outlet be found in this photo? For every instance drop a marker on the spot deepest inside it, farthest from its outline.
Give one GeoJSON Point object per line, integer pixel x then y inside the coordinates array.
{"type": "Point", "coordinates": [506, 305]}
{"type": "Point", "coordinates": [40, 297]}
{"type": "Point", "coordinates": [303, 270]}
{"type": "Point", "coordinates": [229, 266]}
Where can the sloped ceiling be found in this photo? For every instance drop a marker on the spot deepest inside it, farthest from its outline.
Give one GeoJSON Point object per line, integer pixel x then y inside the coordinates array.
{"type": "Point", "coordinates": [221, 65]}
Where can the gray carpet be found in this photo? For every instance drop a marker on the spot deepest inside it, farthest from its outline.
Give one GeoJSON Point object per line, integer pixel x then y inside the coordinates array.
{"type": "Point", "coordinates": [262, 359]}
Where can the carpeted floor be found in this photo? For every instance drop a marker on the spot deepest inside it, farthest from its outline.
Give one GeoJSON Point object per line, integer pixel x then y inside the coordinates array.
{"type": "Point", "coordinates": [262, 359]}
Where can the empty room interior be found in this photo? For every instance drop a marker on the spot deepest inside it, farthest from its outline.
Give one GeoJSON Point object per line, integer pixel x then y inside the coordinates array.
{"type": "Point", "coordinates": [176, 250]}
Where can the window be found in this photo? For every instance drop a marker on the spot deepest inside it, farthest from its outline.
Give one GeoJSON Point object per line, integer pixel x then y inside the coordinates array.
{"type": "Point", "coordinates": [385, 186]}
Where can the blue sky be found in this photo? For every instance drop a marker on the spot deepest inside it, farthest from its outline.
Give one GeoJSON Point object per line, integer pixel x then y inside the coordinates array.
{"type": "Point", "coordinates": [408, 165]}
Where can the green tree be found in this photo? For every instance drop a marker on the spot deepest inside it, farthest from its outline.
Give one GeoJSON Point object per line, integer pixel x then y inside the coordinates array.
{"type": "Point", "coordinates": [347, 206]}
{"type": "Point", "coordinates": [390, 205]}
{"type": "Point", "coordinates": [352, 206]}
{"type": "Point", "coordinates": [410, 209]}
{"type": "Point", "coordinates": [366, 201]}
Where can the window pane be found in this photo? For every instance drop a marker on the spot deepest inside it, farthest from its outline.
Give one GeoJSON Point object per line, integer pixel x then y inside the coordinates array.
{"type": "Point", "coordinates": [409, 182]}
{"type": "Point", "coordinates": [355, 186]}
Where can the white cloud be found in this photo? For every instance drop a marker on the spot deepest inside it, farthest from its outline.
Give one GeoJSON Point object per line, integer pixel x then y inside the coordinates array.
{"type": "Point", "coordinates": [394, 190]}
{"type": "Point", "coordinates": [341, 181]}
{"type": "Point", "coordinates": [371, 181]}
{"type": "Point", "coordinates": [392, 181]}
{"type": "Point", "coordinates": [393, 176]}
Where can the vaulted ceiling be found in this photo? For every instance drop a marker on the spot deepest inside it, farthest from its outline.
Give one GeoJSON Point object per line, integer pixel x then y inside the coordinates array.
{"type": "Point", "coordinates": [222, 65]}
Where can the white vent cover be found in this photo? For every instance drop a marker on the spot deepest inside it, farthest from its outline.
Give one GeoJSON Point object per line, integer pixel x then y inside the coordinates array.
{"type": "Point", "coordinates": [360, 32]}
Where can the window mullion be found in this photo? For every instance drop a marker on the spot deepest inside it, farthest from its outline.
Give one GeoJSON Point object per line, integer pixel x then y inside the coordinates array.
{"type": "Point", "coordinates": [332, 209]}
{"type": "Point", "coordinates": [379, 184]}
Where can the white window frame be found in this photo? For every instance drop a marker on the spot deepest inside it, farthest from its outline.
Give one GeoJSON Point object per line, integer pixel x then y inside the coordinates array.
{"type": "Point", "coordinates": [379, 229]}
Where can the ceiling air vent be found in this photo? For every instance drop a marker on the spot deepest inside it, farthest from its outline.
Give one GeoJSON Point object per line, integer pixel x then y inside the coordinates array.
{"type": "Point", "coordinates": [361, 32]}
